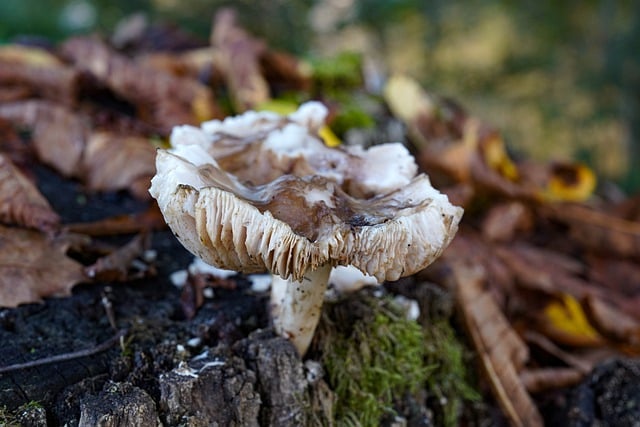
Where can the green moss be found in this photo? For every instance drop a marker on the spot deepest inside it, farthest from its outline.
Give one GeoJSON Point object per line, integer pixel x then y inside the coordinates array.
{"type": "Point", "coordinates": [370, 359]}
{"type": "Point", "coordinates": [448, 382]}
{"type": "Point", "coordinates": [377, 360]}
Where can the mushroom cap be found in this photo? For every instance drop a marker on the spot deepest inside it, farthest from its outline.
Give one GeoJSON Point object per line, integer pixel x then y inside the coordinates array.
{"type": "Point", "coordinates": [259, 147]}
{"type": "Point", "coordinates": [298, 223]}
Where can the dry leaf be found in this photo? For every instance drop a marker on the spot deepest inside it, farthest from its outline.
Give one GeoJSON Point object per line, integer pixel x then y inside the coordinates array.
{"type": "Point", "coordinates": [543, 379]}
{"type": "Point", "coordinates": [505, 221]}
{"type": "Point", "coordinates": [40, 71]}
{"type": "Point", "coordinates": [598, 231]}
{"type": "Point", "coordinates": [565, 322]}
{"type": "Point", "coordinates": [58, 136]}
{"type": "Point", "coordinates": [501, 351]}
{"type": "Point", "coordinates": [237, 56]}
{"type": "Point", "coordinates": [115, 162]}
{"type": "Point", "coordinates": [34, 266]}
{"type": "Point", "coordinates": [118, 265]}
{"type": "Point", "coordinates": [613, 324]}
{"type": "Point", "coordinates": [150, 219]}
{"type": "Point", "coordinates": [158, 96]}
{"type": "Point", "coordinates": [20, 201]}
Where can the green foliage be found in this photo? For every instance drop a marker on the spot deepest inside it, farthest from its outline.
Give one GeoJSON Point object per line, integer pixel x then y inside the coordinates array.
{"type": "Point", "coordinates": [375, 358]}
{"type": "Point", "coordinates": [340, 72]}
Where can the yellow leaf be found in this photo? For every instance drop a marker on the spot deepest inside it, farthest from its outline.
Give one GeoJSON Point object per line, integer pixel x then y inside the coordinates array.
{"type": "Point", "coordinates": [567, 318]}
{"type": "Point", "coordinates": [570, 182]}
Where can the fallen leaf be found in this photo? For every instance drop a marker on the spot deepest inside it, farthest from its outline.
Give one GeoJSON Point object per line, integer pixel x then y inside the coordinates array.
{"type": "Point", "coordinates": [43, 73]}
{"type": "Point", "coordinates": [501, 351]}
{"type": "Point", "coordinates": [58, 134]}
{"type": "Point", "coordinates": [34, 266]}
{"type": "Point", "coordinates": [565, 322]}
{"type": "Point", "coordinates": [505, 221]}
{"type": "Point", "coordinates": [148, 220]}
{"type": "Point", "coordinates": [118, 266]}
{"type": "Point", "coordinates": [115, 162]}
{"type": "Point", "coordinates": [613, 324]}
{"type": "Point", "coordinates": [543, 379]}
{"type": "Point", "coordinates": [20, 201]}
{"type": "Point", "coordinates": [160, 97]}
{"type": "Point", "coordinates": [237, 55]}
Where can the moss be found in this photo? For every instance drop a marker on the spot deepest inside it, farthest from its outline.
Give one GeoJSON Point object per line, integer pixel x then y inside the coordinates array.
{"type": "Point", "coordinates": [372, 355]}
{"type": "Point", "coordinates": [448, 382]}
{"type": "Point", "coordinates": [377, 360]}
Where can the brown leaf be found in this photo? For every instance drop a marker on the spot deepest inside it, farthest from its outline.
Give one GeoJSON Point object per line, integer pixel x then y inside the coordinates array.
{"type": "Point", "coordinates": [33, 266]}
{"type": "Point", "coordinates": [58, 133]}
{"type": "Point", "coordinates": [285, 72]}
{"type": "Point", "coordinates": [20, 201]}
{"type": "Point", "coordinates": [501, 351]}
{"type": "Point", "coordinates": [598, 231]}
{"type": "Point", "coordinates": [150, 219]}
{"type": "Point", "coordinates": [115, 162]}
{"type": "Point", "coordinates": [40, 71]}
{"type": "Point", "coordinates": [619, 277]}
{"type": "Point", "coordinates": [162, 98]}
{"type": "Point", "coordinates": [118, 265]}
{"type": "Point", "coordinates": [542, 379]}
{"type": "Point", "coordinates": [237, 55]}
{"type": "Point", "coordinates": [612, 323]}
{"type": "Point", "coordinates": [505, 220]}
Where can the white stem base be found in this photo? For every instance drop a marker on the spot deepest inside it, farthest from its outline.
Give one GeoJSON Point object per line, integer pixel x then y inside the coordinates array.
{"type": "Point", "coordinates": [296, 306]}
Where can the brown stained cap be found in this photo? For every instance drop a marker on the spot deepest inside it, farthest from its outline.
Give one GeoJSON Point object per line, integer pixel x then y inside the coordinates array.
{"type": "Point", "coordinates": [298, 223]}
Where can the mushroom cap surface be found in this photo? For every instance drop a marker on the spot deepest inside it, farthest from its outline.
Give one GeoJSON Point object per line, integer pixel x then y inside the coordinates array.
{"type": "Point", "coordinates": [259, 147]}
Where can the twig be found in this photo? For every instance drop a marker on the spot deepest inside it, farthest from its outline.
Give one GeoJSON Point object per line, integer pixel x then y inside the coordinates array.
{"type": "Point", "coordinates": [66, 356]}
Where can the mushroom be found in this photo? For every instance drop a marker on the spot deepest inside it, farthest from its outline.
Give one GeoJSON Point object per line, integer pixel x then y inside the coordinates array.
{"type": "Point", "coordinates": [299, 226]}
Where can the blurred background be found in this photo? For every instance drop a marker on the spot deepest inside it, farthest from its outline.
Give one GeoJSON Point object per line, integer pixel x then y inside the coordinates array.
{"type": "Point", "coordinates": [561, 80]}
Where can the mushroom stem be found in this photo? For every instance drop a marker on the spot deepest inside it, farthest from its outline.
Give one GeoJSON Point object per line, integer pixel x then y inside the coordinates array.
{"type": "Point", "coordinates": [297, 308]}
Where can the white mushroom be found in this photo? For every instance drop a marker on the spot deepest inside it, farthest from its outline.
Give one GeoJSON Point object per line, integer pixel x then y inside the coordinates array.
{"type": "Point", "coordinates": [299, 226]}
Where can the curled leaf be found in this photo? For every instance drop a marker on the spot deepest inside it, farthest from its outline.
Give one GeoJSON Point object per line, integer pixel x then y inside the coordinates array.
{"type": "Point", "coordinates": [20, 201]}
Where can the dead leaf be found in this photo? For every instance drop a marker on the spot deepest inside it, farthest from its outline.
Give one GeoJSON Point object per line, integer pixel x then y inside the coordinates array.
{"type": "Point", "coordinates": [502, 352]}
{"type": "Point", "coordinates": [565, 322]}
{"type": "Point", "coordinates": [237, 55]}
{"type": "Point", "coordinates": [598, 231]}
{"type": "Point", "coordinates": [34, 266]}
{"type": "Point", "coordinates": [505, 221]}
{"type": "Point", "coordinates": [160, 97]}
{"type": "Point", "coordinates": [118, 266]}
{"type": "Point", "coordinates": [150, 219]}
{"type": "Point", "coordinates": [613, 323]}
{"type": "Point", "coordinates": [20, 201]}
{"type": "Point", "coordinates": [115, 162]}
{"type": "Point", "coordinates": [58, 134]}
{"type": "Point", "coordinates": [543, 379]}
{"type": "Point", "coordinates": [44, 74]}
